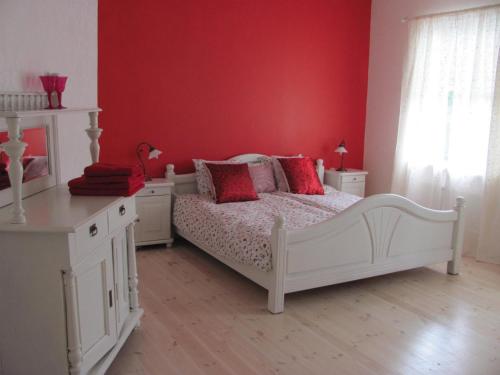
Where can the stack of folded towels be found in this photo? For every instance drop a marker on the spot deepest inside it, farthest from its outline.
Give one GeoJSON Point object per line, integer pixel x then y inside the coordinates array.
{"type": "Point", "coordinates": [108, 179]}
{"type": "Point", "coordinates": [4, 176]}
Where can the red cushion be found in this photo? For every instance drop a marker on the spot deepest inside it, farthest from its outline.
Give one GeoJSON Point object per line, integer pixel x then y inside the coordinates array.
{"type": "Point", "coordinates": [231, 182]}
{"type": "Point", "coordinates": [301, 176]}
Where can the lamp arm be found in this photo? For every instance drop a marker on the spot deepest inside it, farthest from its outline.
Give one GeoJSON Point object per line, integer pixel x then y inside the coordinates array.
{"type": "Point", "coordinates": [138, 151]}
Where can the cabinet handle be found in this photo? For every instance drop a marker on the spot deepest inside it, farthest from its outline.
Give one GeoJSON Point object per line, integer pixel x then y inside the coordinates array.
{"type": "Point", "coordinates": [122, 210]}
{"type": "Point", "coordinates": [110, 294]}
{"type": "Point", "coordinates": [93, 230]}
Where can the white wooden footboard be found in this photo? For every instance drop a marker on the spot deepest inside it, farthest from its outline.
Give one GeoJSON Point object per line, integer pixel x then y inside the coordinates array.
{"type": "Point", "coordinates": [378, 235]}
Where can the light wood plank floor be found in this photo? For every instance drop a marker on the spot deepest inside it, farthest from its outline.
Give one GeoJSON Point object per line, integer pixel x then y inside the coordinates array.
{"type": "Point", "coordinates": [203, 318]}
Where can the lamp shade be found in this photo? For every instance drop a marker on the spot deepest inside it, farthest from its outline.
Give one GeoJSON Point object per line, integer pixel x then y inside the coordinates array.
{"type": "Point", "coordinates": [341, 148]}
{"type": "Point", "coordinates": [154, 153]}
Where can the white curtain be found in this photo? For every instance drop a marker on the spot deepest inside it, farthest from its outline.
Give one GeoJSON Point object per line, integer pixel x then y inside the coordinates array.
{"type": "Point", "coordinates": [446, 119]}
{"type": "Point", "coordinates": [489, 239]}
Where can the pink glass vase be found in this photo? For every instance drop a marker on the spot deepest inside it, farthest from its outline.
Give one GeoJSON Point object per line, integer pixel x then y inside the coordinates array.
{"type": "Point", "coordinates": [60, 86]}
{"type": "Point", "coordinates": [49, 85]}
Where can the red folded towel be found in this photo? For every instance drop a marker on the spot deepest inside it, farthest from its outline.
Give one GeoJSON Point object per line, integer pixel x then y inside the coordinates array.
{"type": "Point", "coordinates": [117, 192]}
{"type": "Point", "coordinates": [85, 182]}
{"type": "Point", "coordinates": [104, 169]}
{"type": "Point", "coordinates": [80, 186]}
{"type": "Point", "coordinates": [113, 179]}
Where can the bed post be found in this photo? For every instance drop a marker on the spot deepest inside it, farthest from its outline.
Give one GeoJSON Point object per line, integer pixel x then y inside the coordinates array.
{"type": "Point", "coordinates": [320, 169]}
{"type": "Point", "coordinates": [276, 294]}
{"type": "Point", "coordinates": [170, 173]}
{"type": "Point", "coordinates": [458, 238]}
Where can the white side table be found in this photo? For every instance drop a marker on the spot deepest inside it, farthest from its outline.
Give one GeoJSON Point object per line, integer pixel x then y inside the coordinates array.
{"type": "Point", "coordinates": [351, 181]}
{"type": "Point", "coordinates": [154, 208]}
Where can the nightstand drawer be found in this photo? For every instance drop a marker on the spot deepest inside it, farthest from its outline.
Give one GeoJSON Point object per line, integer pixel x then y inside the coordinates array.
{"type": "Point", "coordinates": [353, 178]}
{"type": "Point", "coordinates": [152, 191]}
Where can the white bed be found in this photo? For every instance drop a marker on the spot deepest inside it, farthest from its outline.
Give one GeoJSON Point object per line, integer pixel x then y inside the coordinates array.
{"type": "Point", "coordinates": [374, 236]}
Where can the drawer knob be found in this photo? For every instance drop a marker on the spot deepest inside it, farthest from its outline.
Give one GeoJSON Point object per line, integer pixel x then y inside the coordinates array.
{"type": "Point", "coordinates": [122, 210]}
{"type": "Point", "coordinates": [152, 191]}
{"type": "Point", "coordinates": [355, 178]}
{"type": "Point", "coordinates": [93, 230]}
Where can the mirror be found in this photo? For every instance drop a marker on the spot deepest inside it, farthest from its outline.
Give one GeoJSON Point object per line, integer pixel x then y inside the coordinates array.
{"type": "Point", "coordinates": [35, 159]}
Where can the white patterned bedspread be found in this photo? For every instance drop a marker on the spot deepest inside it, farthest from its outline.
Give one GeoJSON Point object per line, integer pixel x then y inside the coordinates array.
{"type": "Point", "coordinates": [242, 230]}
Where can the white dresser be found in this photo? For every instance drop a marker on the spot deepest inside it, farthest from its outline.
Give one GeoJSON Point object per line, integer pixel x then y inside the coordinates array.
{"type": "Point", "coordinates": [68, 274]}
{"type": "Point", "coordinates": [68, 283]}
{"type": "Point", "coordinates": [154, 210]}
{"type": "Point", "coordinates": [351, 181]}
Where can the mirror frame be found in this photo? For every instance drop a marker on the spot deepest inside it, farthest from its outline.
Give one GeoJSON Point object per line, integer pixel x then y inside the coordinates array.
{"type": "Point", "coordinates": [41, 183]}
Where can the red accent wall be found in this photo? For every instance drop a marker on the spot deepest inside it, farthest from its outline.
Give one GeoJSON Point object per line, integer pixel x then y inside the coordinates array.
{"type": "Point", "coordinates": [211, 79]}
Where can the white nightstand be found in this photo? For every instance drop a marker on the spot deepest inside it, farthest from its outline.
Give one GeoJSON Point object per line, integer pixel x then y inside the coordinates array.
{"type": "Point", "coordinates": [154, 208]}
{"type": "Point", "coordinates": [352, 181]}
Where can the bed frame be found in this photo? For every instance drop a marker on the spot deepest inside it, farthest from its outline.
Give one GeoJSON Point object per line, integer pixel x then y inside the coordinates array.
{"type": "Point", "coordinates": [378, 235]}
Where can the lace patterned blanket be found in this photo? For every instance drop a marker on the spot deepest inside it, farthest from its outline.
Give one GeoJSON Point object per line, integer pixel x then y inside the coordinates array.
{"type": "Point", "coordinates": [242, 230]}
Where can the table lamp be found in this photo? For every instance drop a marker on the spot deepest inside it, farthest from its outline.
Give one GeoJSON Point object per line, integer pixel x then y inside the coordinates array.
{"type": "Point", "coordinates": [152, 152]}
{"type": "Point", "coordinates": [341, 150]}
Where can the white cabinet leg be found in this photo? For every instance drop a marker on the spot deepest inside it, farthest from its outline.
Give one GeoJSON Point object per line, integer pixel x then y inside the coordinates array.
{"type": "Point", "coordinates": [75, 356]}
{"type": "Point", "coordinates": [15, 150]}
{"type": "Point", "coordinates": [132, 269]}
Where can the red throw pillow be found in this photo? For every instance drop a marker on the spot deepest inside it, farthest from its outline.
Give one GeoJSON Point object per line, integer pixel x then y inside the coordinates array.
{"type": "Point", "coordinates": [301, 176]}
{"type": "Point", "coordinates": [231, 183]}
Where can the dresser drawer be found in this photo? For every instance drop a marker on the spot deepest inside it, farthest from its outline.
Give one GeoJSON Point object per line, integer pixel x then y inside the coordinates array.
{"type": "Point", "coordinates": [353, 178]}
{"type": "Point", "coordinates": [89, 235]}
{"type": "Point", "coordinates": [152, 191]}
{"type": "Point", "coordinates": [121, 214]}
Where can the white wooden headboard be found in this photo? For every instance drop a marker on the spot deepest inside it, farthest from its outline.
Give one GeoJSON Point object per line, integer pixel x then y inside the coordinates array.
{"type": "Point", "coordinates": [186, 183]}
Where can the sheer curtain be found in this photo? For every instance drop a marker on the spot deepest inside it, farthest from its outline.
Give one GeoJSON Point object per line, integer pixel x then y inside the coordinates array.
{"type": "Point", "coordinates": [489, 239]}
{"type": "Point", "coordinates": [447, 113]}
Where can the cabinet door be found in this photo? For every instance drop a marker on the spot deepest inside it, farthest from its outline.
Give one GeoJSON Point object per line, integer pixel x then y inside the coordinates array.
{"type": "Point", "coordinates": [355, 188]}
{"type": "Point", "coordinates": [154, 219]}
{"type": "Point", "coordinates": [120, 262]}
{"type": "Point", "coordinates": [95, 304]}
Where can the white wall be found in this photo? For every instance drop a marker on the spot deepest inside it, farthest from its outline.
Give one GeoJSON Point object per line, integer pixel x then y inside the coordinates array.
{"type": "Point", "coordinates": [388, 44]}
{"type": "Point", "coordinates": [56, 36]}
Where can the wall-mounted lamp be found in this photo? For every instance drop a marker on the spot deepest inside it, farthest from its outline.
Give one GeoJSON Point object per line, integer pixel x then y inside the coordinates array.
{"type": "Point", "coordinates": [341, 150]}
{"type": "Point", "coordinates": [152, 152]}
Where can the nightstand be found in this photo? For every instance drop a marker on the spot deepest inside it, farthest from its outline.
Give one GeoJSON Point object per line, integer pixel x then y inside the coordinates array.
{"type": "Point", "coordinates": [352, 181]}
{"type": "Point", "coordinates": [154, 210]}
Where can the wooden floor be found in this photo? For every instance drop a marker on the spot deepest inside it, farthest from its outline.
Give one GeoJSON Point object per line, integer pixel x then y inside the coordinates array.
{"type": "Point", "coordinates": [203, 318]}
